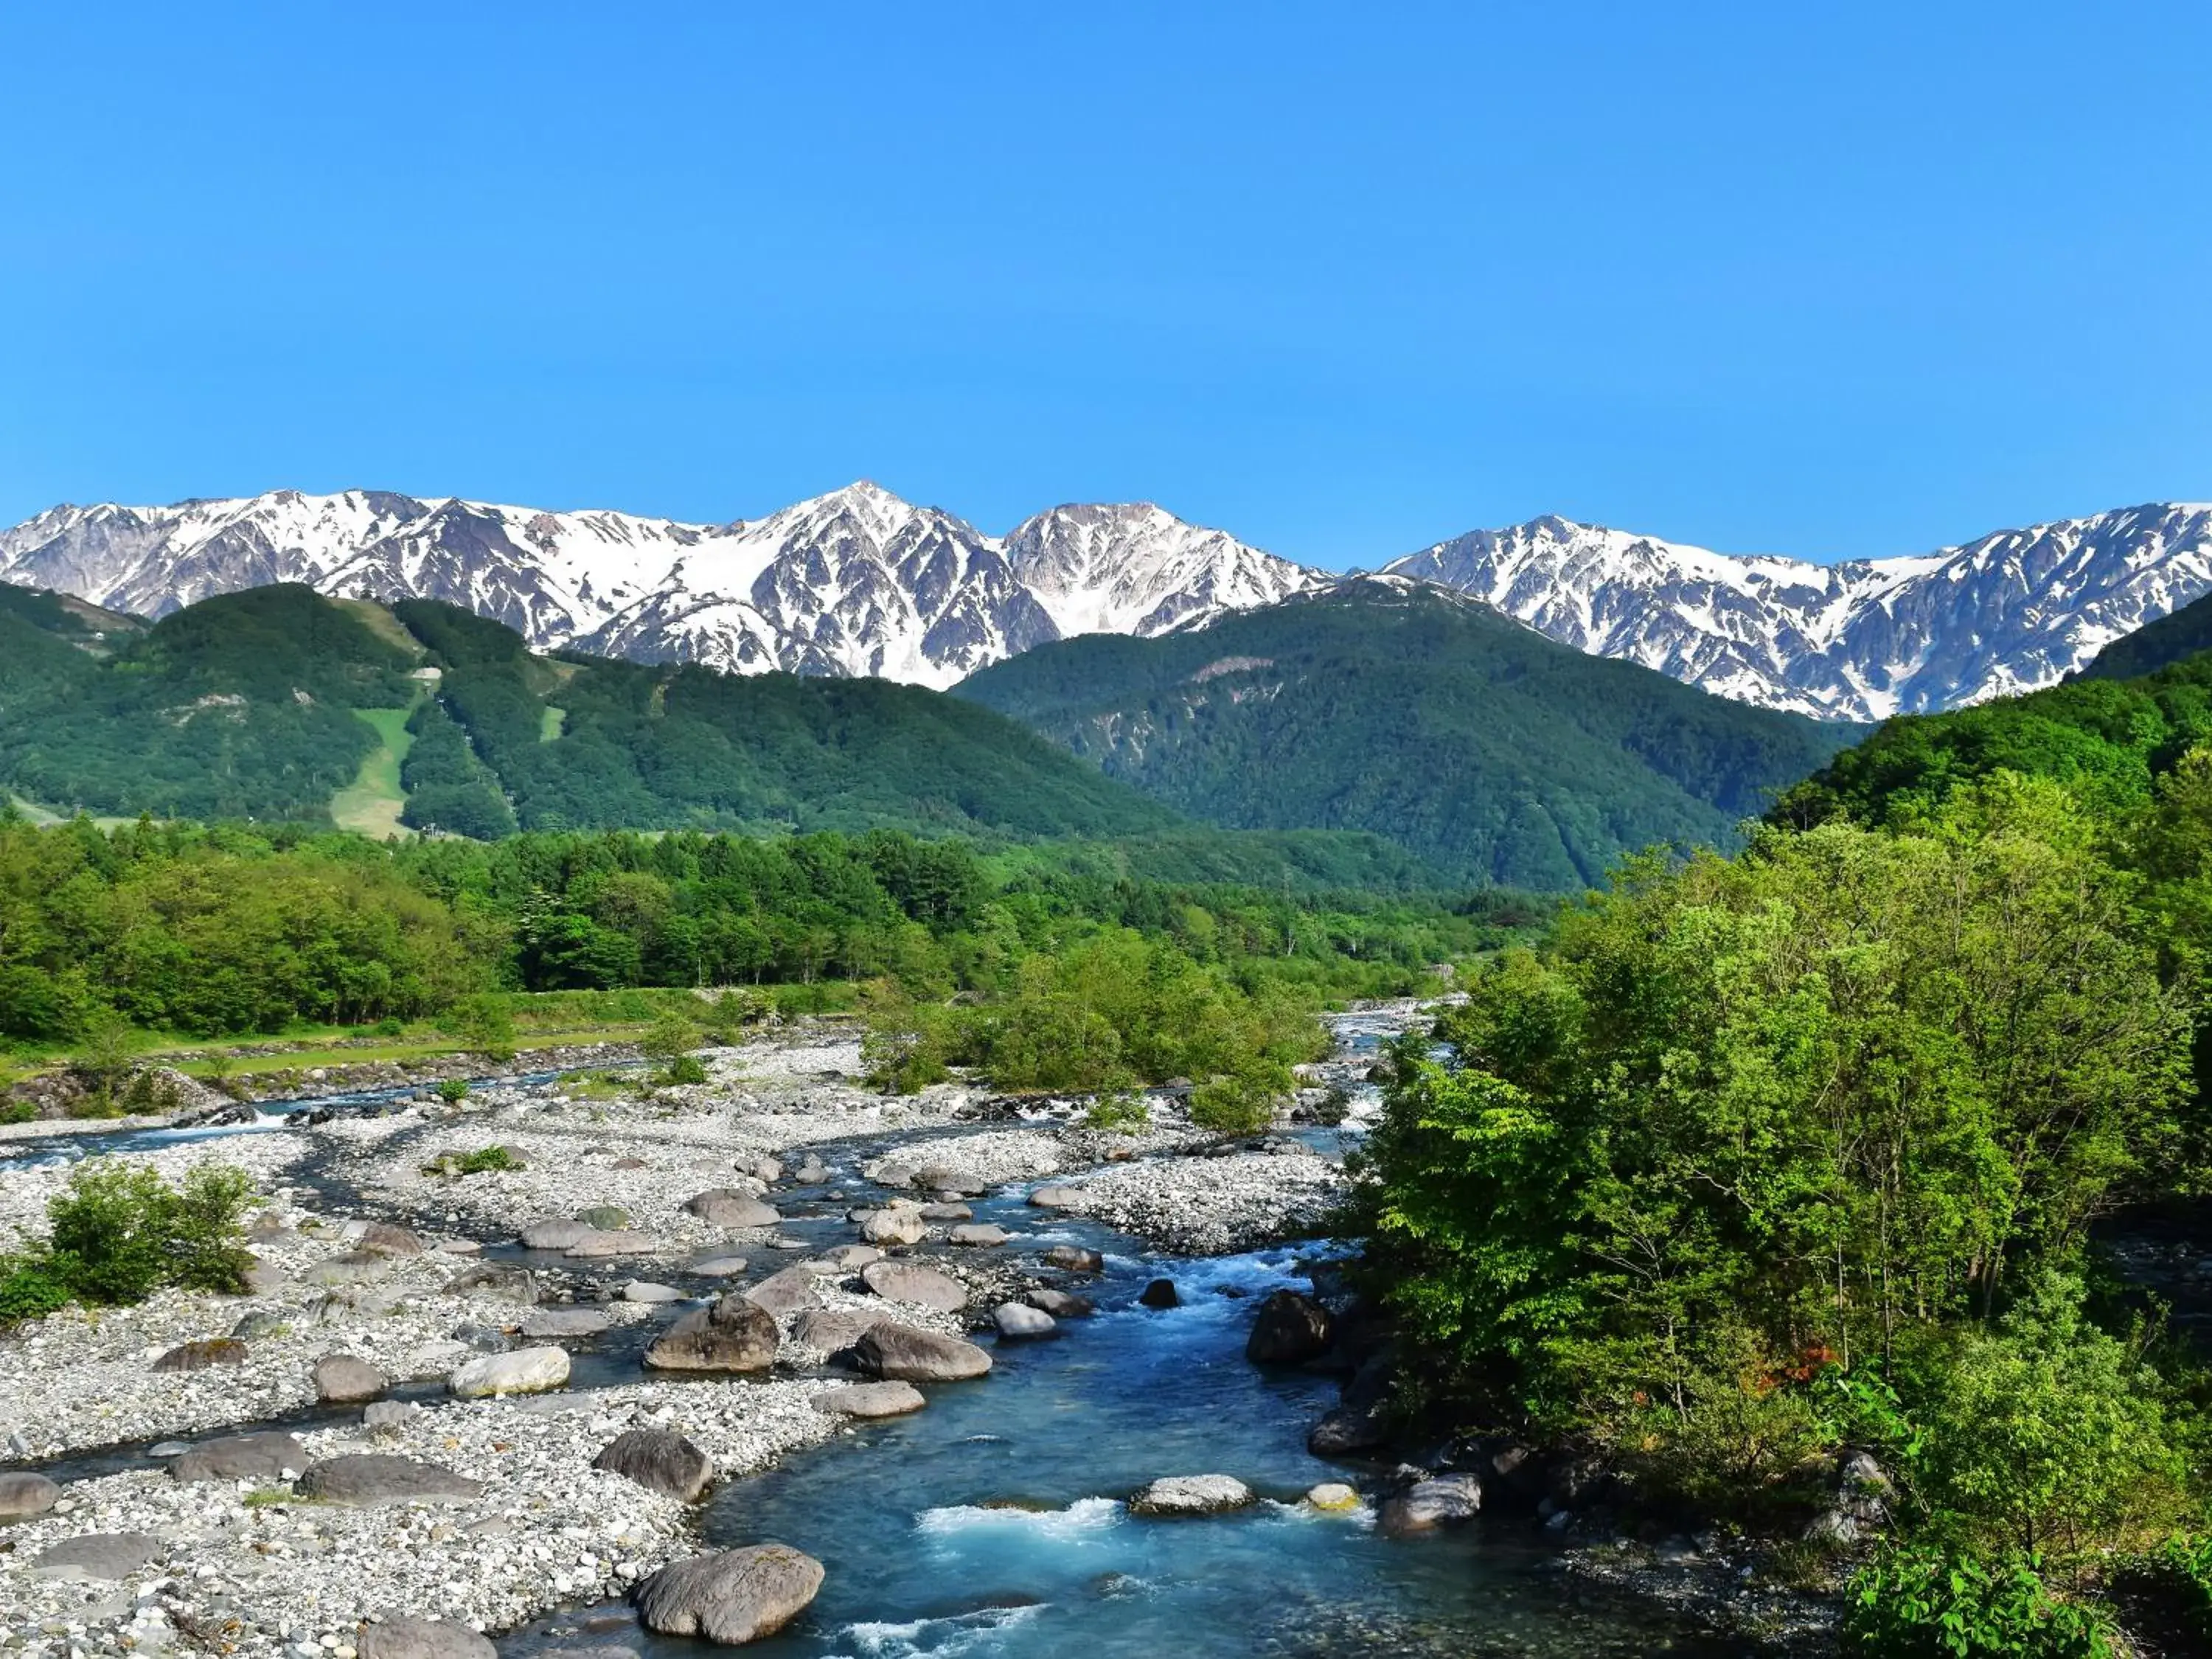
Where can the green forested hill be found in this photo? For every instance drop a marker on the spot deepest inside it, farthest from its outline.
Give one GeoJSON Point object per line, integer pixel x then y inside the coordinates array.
{"type": "Point", "coordinates": [2155, 646]}
{"type": "Point", "coordinates": [1474, 743]}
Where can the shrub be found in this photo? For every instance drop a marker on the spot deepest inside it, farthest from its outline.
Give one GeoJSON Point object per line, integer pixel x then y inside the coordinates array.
{"type": "Point", "coordinates": [1238, 1103]}
{"type": "Point", "coordinates": [669, 1038]}
{"type": "Point", "coordinates": [1924, 1604]}
{"type": "Point", "coordinates": [206, 1254]}
{"type": "Point", "coordinates": [484, 1027]}
{"type": "Point", "coordinates": [687, 1069]}
{"type": "Point", "coordinates": [451, 1090]}
{"type": "Point", "coordinates": [485, 1160]}
{"type": "Point", "coordinates": [1119, 1110]}
{"type": "Point", "coordinates": [120, 1232]}
{"type": "Point", "coordinates": [30, 1290]}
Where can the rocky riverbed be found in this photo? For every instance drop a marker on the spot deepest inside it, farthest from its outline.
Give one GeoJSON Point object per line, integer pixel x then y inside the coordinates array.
{"type": "Point", "coordinates": [781, 1213]}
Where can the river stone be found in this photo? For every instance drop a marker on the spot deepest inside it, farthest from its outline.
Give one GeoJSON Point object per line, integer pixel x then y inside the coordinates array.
{"type": "Point", "coordinates": [388, 1413]}
{"type": "Point", "coordinates": [831, 1332]}
{"type": "Point", "coordinates": [871, 1400]}
{"type": "Point", "coordinates": [1053, 1196]}
{"type": "Point", "coordinates": [894, 1227]}
{"type": "Point", "coordinates": [495, 1281]}
{"type": "Point", "coordinates": [812, 1173]}
{"type": "Point", "coordinates": [1018, 1321]}
{"type": "Point", "coordinates": [596, 1245]}
{"type": "Point", "coordinates": [1061, 1305]}
{"type": "Point", "coordinates": [108, 1555]}
{"type": "Point", "coordinates": [527, 1370]}
{"type": "Point", "coordinates": [644, 1289]}
{"type": "Point", "coordinates": [907, 1281]}
{"type": "Point", "coordinates": [555, 1233]}
{"type": "Point", "coordinates": [1160, 1293]}
{"type": "Point", "coordinates": [947, 1212]}
{"type": "Point", "coordinates": [1191, 1494]}
{"type": "Point", "coordinates": [953, 1183]}
{"type": "Point", "coordinates": [1332, 1497]}
{"type": "Point", "coordinates": [899, 1354]}
{"type": "Point", "coordinates": [377, 1478]}
{"type": "Point", "coordinates": [342, 1380]}
{"type": "Point", "coordinates": [850, 1258]}
{"type": "Point", "coordinates": [484, 1339]}
{"type": "Point", "coordinates": [761, 1168]}
{"type": "Point", "coordinates": [198, 1356]}
{"type": "Point", "coordinates": [716, 1267]}
{"type": "Point", "coordinates": [726, 1207]}
{"type": "Point", "coordinates": [541, 1324]}
{"type": "Point", "coordinates": [421, 1638]}
{"type": "Point", "coordinates": [1345, 1431]}
{"type": "Point", "coordinates": [733, 1596]}
{"type": "Point", "coordinates": [609, 1651]}
{"type": "Point", "coordinates": [733, 1335]}
{"type": "Point", "coordinates": [604, 1217]}
{"type": "Point", "coordinates": [354, 1267]}
{"type": "Point", "coordinates": [1074, 1259]}
{"type": "Point", "coordinates": [23, 1495]}
{"type": "Point", "coordinates": [1446, 1501]}
{"type": "Point", "coordinates": [660, 1460]}
{"type": "Point", "coordinates": [459, 1247]}
{"type": "Point", "coordinates": [266, 1455]}
{"type": "Point", "coordinates": [979, 1234]}
{"type": "Point", "coordinates": [784, 1293]}
{"type": "Point", "coordinates": [392, 1240]}
{"type": "Point", "coordinates": [1292, 1328]}
{"type": "Point", "coordinates": [263, 1278]}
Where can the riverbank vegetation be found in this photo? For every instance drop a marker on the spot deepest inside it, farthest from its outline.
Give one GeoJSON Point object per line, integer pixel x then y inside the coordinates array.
{"type": "Point", "coordinates": [1757, 1163]}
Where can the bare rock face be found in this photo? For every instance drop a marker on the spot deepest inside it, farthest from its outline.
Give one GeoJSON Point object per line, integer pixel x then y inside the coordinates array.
{"type": "Point", "coordinates": [1191, 1494]}
{"type": "Point", "coordinates": [733, 1596]}
{"type": "Point", "coordinates": [871, 1400]}
{"type": "Point", "coordinates": [268, 1454]}
{"type": "Point", "coordinates": [1292, 1328]}
{"type": "Point", "coordinates": [660, 1460]}
{"type": "Point", "coordinates": [907, 1281]}
{"type": "Point", "coordinates": [198, 1356]}
{"type": "Point", "coordinates": [342, 1380]}
{"type": "Point", "coordinates": [375, 1478]}
{"type": "Point", "coordinates": [419, 1638]}
{"type": "Point", "coordinates": [23, 1495]}
{"type": "Point", "coordinates": [901, 1353]}
{"type": "Point", "coordinates": [735, 1335]}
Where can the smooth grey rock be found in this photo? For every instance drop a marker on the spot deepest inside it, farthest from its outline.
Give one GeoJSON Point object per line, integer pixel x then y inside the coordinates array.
{"type": "Point", "coordinates": [387, 1413]}
{"type": "Point", "coordinates": [267, 1455]}
{"type": "Point", "coordinates": [732, 1596]}
{"type": "Point", "coordinates": [540, 1324]}
{"type": "Point", "coordinates": [495, 1281]}
{"type": "Point", "coordinates": [947, 1212]}
{"type": "Point", "coordinates": [1191, 1494]}
{"type": "Point", "coordinates": [342, 1380]}
{"type": "Point", "coordinates": [761, 1168]}
{"type": "Point", "coordinates": [979, 1234]}
{"type": "Point", "coordinates": [812, 1173]}
{"type": "Point", "coordinates": [555, 1233]}
{"type": "Point", "coordinates": [104, 1555]}
{"type": "Point", "coordinates": [375, 1478]}
{"type": "Point", "coordinates": [527, 1370]}
{"type": "Point", "coordinates": [23, 1494]}
{"type": "Point", "coordinates": [850, 1258]}
{"type": "Point", "coordinates": [735, 1335]}
{"type": "Point", "coordinates": [833, 1331]}
{"type": "Point", "coordinates": [1054, 1196]}
{"type": "Point", "coordinates": [1018, 1321]}
{"type": "Point", "coordinates": [1291, 1330]}
{"type": "Point", "coordinates": [1061, 1304]}
{"type": "Point", "coordinates": [716, 1267]}
{"type": "Point", "coordinates": [1445, 1501]}
{"type": "Point", "coordinates": [263, 1278]}
{"type": "Point", "coordinates": [597, 1245]}
{"type": "Point", "coordinates": [644, 1289]}
{"type": "Point", "coordinates": [660, 1460]}
{"type": "Point", "coordinates": [1332, 1497]}
{"type": "Point", "coordinates": [421, 1639]}
{"type": "Point", "coordinates": [871, 1400]}
{"type": "Point", "coordinates": [391, 1240]}
{"type": "Point", "coordinates": [1074, 1259]}
{"type": "Point", "coordinates": [783, 1293]}
{"type": "Point", "coordinates": [901, 1353]}
{"type": "Point", "coordinates": [894, 1227]}
{"type": "Point", "coordinates": [908, 1282]}
{"type": "Point", "coordinates": [733, 1210]}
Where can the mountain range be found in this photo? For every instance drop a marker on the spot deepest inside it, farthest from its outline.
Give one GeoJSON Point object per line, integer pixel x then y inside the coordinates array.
{"type": "Point", "coordinates": [859, 582]}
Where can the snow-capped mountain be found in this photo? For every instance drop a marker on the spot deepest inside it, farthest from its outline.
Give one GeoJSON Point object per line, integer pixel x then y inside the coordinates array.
{"type": "Point", "coordinates": [854, 582]}
{"type": "Point", "coordinates": [1857, 641]}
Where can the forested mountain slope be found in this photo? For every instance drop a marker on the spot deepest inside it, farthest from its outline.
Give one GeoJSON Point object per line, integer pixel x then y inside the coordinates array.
{"type": "Point", "coordinates": [1385, 705]}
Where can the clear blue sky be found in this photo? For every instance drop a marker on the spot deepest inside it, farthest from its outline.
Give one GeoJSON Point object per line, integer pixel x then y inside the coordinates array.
{"type": "Point", "coordinates": [1343, 280]}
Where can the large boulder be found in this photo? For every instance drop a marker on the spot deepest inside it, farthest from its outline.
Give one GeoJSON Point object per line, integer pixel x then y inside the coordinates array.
{"type": "Point", "coordinates": [786, 1293]}
{"type": "Point", "coordinates": [733, 1335]}
{"type": "Point", "coordinates": [267, 1455]}
{"type": "Point", "coordinates": [1054, 1196]}
{"type": "Point", "coordinates": [1191, 1494]}
{"type": "Point", "coordinates": [1061, 1304]}
{"type": "Point", "coordinates": [542, 1324]}
{"type": "Point", "coordinates": [1345, 1431]}
{"type": "Point", "coordinates": [760, 1167]}
{"type": "Point", "coordinates": [342, 1380]}
{"type": "Point", "coordinates": [907, 1281]}
{"type": "Point", "coordinates": [1292, 1328]}
{"type": "Point", "coordinates": [555, 1233]}
{"type": "Point", "coordinates": [660, 1460]}
{"type": "Point", "coordinates": [376, 1477]}
{"type": "Point", "coordinates": [1018, 1321]}
{"type": "Point", "coordinates": [495, 1281]}
{"type": "Point", "coordinates": [726, 1207]}
{"type": "Point", "coordinates": [1160, 1293]}
{"type": "Point", "coordinates": [23, 1495]}
{"type": "Point", "coordinates": [1074, 1259]}
{"type": "Point", "coordinates": [421, 1638]}
{"type": "Point", "coordinates": [391, 1240]}
{"type": "Point", "coordinates": [198, 1356]}
{"type": "Point", "coordinates": [833, 1331]}
{"type": "Point", "coordinates": [978, 1234]}
{"type": "Point", "coordinates": [1446, 1501]}
{"type": "Point", "coordinates": [901, 1353]}
{"type": "Point", "coordinates": [871, 1400]}
{"type": "Point", "coordinates": [895, 1226]}
{"type": "Point", "coordinates": [104, 1555]}
{"type": "Point", "coordinates": [526, 1370]}
{"type": "Point", "coordinates": [732, 1596]}
{"type": "Point", "coordinates": [849, 1258]}
{"type": "Point", "coordinates": [598, 1244]}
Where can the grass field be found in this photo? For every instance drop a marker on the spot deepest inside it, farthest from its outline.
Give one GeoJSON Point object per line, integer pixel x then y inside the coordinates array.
{"type": "Point", "coordinates": [372, 804]}
{"type": "Point", "coordinates": [550, 724]}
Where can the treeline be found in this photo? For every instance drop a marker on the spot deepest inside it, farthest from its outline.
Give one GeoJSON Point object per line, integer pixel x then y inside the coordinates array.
{"type": "Point", "coordinates": [1762, 1162]}
{"type": "Point", "coordinates": [216, 930]}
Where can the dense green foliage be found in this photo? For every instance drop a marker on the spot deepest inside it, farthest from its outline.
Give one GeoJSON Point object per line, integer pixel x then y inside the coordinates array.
{"type": "Point", "coordinates": [1477, 744]}
{"type": "Point", "coordinates": [119, 1232]}
{"type": "Point", "coordinates": [224, 929]}
{"type": "Point", "coordinates": [1926, 1603]}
